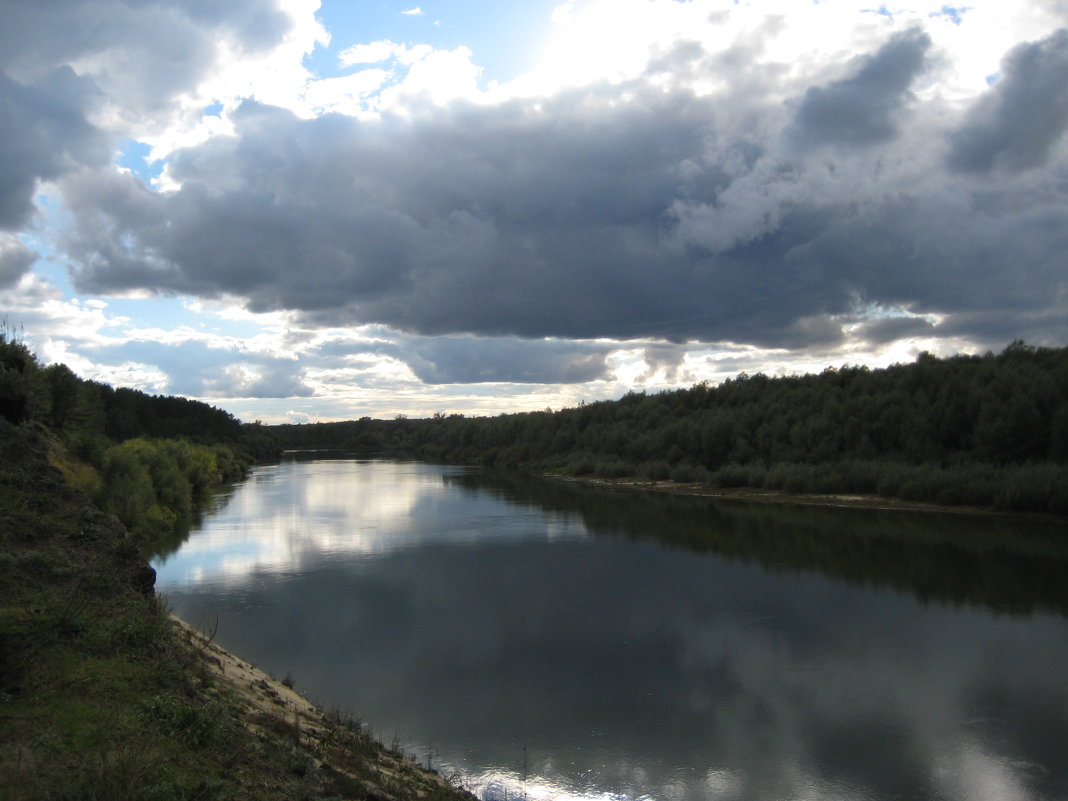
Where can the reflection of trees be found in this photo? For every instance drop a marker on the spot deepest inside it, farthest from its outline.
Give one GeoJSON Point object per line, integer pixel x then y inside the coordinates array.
{"type": "Point", "coordinates": [1006, 565]}
{"type": "Point", "coordinates": [214, 503]}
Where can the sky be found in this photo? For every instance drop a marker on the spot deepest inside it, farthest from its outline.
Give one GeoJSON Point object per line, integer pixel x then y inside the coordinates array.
{"type": "Point", "coordinates": [304, 211]}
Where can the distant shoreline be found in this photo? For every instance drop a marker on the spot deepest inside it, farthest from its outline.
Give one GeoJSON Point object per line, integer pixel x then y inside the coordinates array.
{"type": "Point", "coordinates": [830, 500]}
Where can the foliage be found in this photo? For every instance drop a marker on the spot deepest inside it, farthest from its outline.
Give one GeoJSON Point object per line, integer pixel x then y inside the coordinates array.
{"type": "Point", "coordinates": [129, 413]}
{"type": "Point", "coordinates": [153, 486]}
{"type": "Point", "coordinates": [20, 381]}
{"type": "Point", "coordinates": [91, 413]}
{"type": "Point", "coordinates": [148, 459]}
{"type": "Point", "coordinates": [987, 430]}
{"type": "Point", "coordinates": [101, 697]}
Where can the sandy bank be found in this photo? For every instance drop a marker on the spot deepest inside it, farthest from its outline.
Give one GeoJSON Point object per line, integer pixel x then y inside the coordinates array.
{"type": "Point", "coordinates": [272, 710]}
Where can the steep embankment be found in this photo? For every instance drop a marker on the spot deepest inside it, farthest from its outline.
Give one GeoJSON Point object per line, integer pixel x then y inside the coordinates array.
{"type": "Point", "coordinates": [104, 695]}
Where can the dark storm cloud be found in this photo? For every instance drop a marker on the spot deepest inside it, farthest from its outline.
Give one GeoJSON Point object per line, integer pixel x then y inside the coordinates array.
{"type": "Point", "coordinates": [456, 360]}
{"type": "Point", "coordinates": [632, 212]}
{"type": "Point", "coordinates": [1018, 122]}
{"type": "Point", "coordinates": [998, 326]}
{"type": "Point", "coordinates": [924, 254]}
{"type": "Point", "coordinates": [865, 108]}
{"type": "Point", "coordinates": [499, 221]}
{"type": "Point", "coordinates": [664, 357]}
{"type": "Point", "coordinates": [15, 261]}
{"type": "Point", "coordinates": [43, 132]}
{"type": "Point", "coordinates": [474, 360]}
{"type": "Point", "coordinates": [132, 57]}
{"type": "Point", "coordinates": [496, 221]}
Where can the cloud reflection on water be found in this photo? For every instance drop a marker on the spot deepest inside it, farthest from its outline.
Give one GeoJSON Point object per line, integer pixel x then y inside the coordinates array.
{"type": "Point", "coordinates": [457, 615]}
{"type": "Point", "coordinates": [279, 522]}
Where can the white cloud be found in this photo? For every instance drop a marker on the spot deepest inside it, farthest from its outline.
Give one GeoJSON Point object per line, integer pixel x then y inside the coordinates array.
{"type": "Point", "coordinates": [438, 76]}
{"type": "Point", "coordinates": [413, 12]}
{"type": "Point", "coordinates": [623, 189]}
{"type": "Point", "coordinates": [371, 53]}
{"type": "Point", "coordinates": [54, 324]}
{"type": "Point", "coordinates": [346, 94]}
{"type": "Point", "coordinates": [145, 377]}
{"type": "Point", "coordinates": [615, 39]}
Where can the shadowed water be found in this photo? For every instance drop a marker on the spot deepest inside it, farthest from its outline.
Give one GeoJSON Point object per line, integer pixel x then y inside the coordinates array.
{"type": "Point", "coordinates": [543, 639]}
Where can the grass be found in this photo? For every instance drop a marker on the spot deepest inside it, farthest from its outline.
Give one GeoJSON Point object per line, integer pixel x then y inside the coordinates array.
{"type": "Point", "coordinates": [102, 698]}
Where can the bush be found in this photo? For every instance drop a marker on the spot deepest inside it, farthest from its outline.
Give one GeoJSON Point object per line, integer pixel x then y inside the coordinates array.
{"type": "Point", "coordinates": [613, 468]}
{"type": "Point", "coordinates": [582, 466]}
{"type": "Point", "coordinates": [153, 485]}
{"type": "Point", "coordinates": [127, 489]}
{"type": "Point", "coordinates": [88, 447]}
{"type": "Point", "coordinates": [1033, 488]}
{"type": "Point", "coordinates": [656, 471]}
{"type": "Point", "coordinates": [737, 475]}
{"type": "Point", "coordinates": [689, 473]}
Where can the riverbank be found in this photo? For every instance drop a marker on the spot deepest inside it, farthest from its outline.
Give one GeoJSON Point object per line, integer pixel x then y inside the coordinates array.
{"type": "Point", "coordinates": [103, 695]}
{"type": "Point", "coordinates": [336, 744]}
{"type": "Point", "coordinates": [829, 500]}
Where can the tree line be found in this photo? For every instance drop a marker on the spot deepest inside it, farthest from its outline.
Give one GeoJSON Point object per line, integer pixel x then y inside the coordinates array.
{"type": "Point", "coordinates": [151, 460]}
{"type": "Point", "coordinates": [986, 430]}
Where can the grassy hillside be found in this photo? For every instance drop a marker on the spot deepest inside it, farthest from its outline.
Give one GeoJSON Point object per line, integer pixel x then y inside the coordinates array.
{"type": "Point", "coordinates": [148, 459]}
{"type": "Point", "coordinates": [103, 696]}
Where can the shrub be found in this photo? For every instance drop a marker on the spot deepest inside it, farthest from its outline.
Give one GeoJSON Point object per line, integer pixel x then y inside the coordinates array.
{"type": "Point", "coordinates": [685, 473]}
{"type": "Point", "coordinates": [1032, 488]}
{"type": "Point", "coordinates": [582, 466]}
{"type": "Point", "coordinates": [737, 475]}
{"type": "Point", "coordinates": [656, 471]}
{"type": "Point", "coordinates": [154, 485]}
{"type": "Point", "coordinates": [613, 468]}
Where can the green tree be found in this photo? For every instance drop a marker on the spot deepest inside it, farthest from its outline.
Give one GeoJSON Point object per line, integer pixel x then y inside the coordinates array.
{"type": "Point", "coordinates": [20, 390]}
{"type": "Point", "coordinates": [64, 395]}
{"type": "Point", "coordinates": [127, 490]}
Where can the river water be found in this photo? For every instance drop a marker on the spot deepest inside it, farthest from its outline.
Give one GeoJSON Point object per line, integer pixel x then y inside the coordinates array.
{"type": "Point", "coordinates": [546, 640]}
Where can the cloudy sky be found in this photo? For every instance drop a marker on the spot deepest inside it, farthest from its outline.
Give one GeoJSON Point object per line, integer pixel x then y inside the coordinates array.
{"type": "Point", "coordinates": [299, 211]}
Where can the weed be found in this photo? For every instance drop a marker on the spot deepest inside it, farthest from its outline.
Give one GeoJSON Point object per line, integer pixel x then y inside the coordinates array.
{"type": "Point", "coordinates": [196, 726]}
{"type": "Point", "coordinates": [286, 729]}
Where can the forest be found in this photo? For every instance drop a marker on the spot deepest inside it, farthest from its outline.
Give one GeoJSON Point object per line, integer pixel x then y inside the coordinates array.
{"type": "Point", "coordinates": [985, 430]}
{"type": "Point", "coordinates": [151, 460]}
{"type": "Point", "coordinates": [978, 430]}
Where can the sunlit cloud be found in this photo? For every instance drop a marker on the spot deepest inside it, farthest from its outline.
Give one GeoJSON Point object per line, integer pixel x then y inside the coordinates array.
{"type": "Point", "coordinates": [371, 53]}
{"type": "Point", "coordinates": [674, 191]}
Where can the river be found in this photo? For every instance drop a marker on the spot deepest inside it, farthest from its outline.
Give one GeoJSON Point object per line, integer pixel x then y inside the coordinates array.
{"type": "Point", "coordinates": [546, 640]}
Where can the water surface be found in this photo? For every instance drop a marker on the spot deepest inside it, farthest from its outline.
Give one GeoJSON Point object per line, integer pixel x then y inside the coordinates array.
{"type": "Point", "coordinates": [549, 640]}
